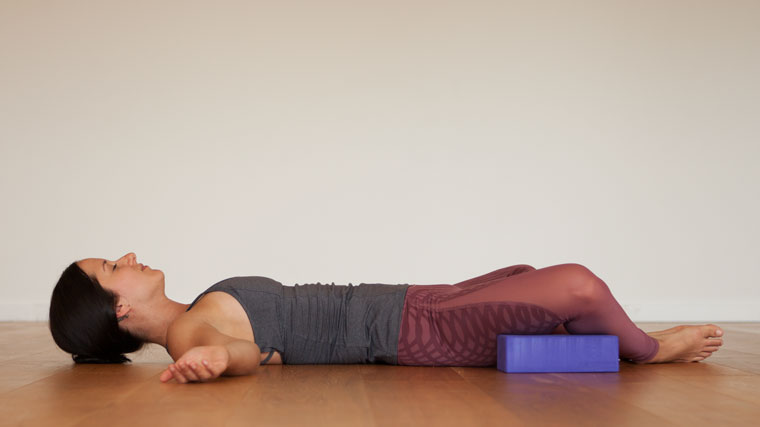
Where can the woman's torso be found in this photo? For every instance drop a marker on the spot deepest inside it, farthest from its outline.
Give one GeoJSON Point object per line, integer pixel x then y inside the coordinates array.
{"type": "Point", "coordinates": [307, 324]}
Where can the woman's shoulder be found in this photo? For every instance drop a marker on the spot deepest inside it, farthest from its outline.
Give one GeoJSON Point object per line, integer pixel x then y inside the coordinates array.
{"type": "Point", "coordinates": [212, 313]}
{"type": "Point", "coordinates": [207, 307]}
{"type": "Point", "coordinates": [219, 309]}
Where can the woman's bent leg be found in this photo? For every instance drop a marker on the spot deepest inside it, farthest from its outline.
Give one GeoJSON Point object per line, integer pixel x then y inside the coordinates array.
{"type": "Point", "coordinates": [457, 325]}
{"type": "Point", "coordinates": [502, 273]}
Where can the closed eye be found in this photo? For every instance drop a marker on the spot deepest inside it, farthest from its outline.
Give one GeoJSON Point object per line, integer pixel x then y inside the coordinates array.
{"type": "Point", "coordinates": [106, 262]}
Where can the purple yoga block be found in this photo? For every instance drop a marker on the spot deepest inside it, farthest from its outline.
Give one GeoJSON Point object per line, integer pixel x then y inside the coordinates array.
{"type": "Point", "coordinates": [557, 353]}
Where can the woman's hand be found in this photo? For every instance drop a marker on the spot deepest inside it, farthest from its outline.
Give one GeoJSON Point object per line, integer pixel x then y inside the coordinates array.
{"type": "Point", "coordinates": [202, 364]}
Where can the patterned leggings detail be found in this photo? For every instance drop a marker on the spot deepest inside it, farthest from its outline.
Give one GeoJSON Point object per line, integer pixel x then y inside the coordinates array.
{"type": "Point", "coordinates": [457, 325]}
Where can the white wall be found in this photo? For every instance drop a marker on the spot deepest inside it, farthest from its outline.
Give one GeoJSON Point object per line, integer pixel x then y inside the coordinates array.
{"type": "Point", "coordinates": [405, 141]}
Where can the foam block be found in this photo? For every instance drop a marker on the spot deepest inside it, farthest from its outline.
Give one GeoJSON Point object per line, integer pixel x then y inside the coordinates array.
{"type": "Point", "coordinates": [557, 353]}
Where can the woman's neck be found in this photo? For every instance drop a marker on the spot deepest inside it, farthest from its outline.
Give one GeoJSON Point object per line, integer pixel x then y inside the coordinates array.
{"type": "Point", "coordinates": [154, 324]}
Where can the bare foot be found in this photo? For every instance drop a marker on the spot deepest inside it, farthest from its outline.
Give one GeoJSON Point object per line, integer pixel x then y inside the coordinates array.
{"type": "Point", "coordinates": [666, 331]}
{"type": "Point", "coordinates": [686, 343]}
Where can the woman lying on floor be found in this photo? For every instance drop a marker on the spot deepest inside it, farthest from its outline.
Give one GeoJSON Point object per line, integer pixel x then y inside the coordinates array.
{"type": "Point", "coordinates": [101, 310]}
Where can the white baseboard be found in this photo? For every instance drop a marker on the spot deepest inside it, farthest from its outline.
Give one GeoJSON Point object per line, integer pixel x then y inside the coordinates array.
{"type": "Point", "coordinates": [642, 312]}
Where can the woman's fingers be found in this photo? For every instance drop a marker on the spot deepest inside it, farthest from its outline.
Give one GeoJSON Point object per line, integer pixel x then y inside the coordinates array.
{"type": "Point", "coordinates": [177, 374]}
{"type": "Point", "coordinates": [187, 371]}
{"type": "Point", "coordinates": [207, 366]}
{"type": "Point", "coordinates": [166, 375]}
{"type": "Point", "coordinates": [196, 372]}
{"type": "Point", "coordinates": [184, 372]}
{"type": "Point", "coordinates": [202, 371]}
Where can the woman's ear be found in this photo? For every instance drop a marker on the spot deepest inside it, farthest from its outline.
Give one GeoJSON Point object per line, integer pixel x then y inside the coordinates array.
{"type": "Point", "coordinates": [122, 309]}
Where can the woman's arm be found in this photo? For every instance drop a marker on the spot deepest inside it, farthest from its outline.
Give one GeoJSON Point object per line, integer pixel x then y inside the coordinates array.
{"type": "Point", "coordinates": [193, 341]}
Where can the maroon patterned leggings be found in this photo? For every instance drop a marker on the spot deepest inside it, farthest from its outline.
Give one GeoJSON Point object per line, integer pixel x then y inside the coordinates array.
{"type": "Point", "coordinates": [457, 325]}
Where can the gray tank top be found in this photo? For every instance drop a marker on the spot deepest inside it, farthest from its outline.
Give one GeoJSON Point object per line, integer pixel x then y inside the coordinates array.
{"type": "Point", "coordinates": [320, 323]}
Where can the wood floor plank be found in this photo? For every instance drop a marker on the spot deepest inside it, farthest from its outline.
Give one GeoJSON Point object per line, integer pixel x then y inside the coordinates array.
{"type": "Point", "coordinates": [742, 327]}
{"type": "Point", "coordinates": [746, 388]}
{"type": "Point", "coordinates": [315, 390]}
{"type": "Point", "coordinates": [174, 404]}
{"type": "Point", "coordinates": [40, 385]}
{"type": "Point", "coordinates": [743, 341]}
{"type": "Point", "coordinates": [412, 395]}
{"type": "Point", "coordinates": [684, 404]}
{"type": "Point", "coordinates": [21, 372]}
{"type": "Point", "coordinates": [561, 399]}
{"type": "Point", "coordinates": [66, 396]}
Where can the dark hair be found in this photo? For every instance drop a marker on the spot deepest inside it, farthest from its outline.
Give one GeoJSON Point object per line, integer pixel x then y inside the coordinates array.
{"type": "Point", "coordinates": [83, 320]}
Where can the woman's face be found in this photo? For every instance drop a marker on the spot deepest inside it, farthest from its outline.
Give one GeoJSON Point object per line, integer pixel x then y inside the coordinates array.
{"type": "Point", "coordinates": [125, 277]}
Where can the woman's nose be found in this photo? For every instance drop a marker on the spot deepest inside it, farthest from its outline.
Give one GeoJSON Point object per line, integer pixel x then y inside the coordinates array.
{"type": "Point", "coordinates": [130, 257]}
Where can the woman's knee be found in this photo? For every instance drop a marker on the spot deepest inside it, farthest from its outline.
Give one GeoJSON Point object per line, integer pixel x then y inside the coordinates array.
{"type": "Point", "coordinates": [521, 268]}
{"type": "Point", "coordinates": [583, 284]}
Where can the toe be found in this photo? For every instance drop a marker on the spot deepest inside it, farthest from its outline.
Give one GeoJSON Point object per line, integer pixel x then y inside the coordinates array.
{"type": "Point", "coordinates": [714, 342]}
{"type": "Point", "coordinates": [714, 330]}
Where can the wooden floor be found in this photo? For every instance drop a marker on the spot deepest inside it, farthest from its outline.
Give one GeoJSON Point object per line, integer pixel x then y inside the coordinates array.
{"type": "Point", "coordinates": [40, 385]}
